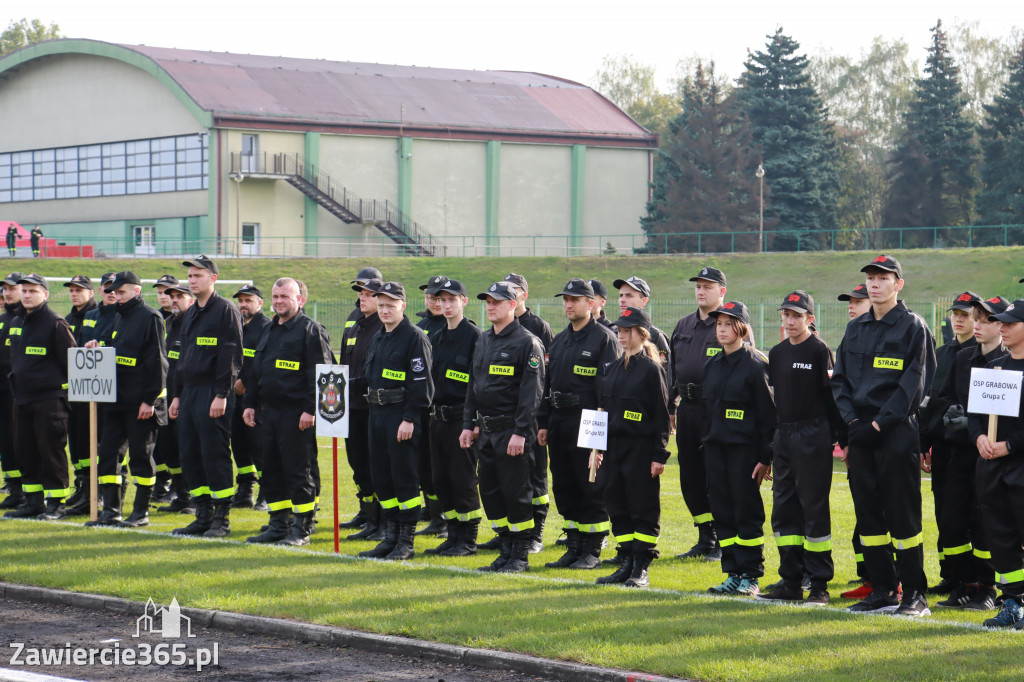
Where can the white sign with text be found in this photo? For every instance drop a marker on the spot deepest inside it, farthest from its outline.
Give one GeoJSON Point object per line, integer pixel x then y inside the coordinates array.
{"type": "Point", "coordinates": [92, 375]}
{"type": "Point", "coordinates": [995, 391]}
{"type": "Point", "coordinates": [593, 430]}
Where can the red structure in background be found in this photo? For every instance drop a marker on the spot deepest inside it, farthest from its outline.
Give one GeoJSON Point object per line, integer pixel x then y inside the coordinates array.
{"type": "Point", "coordinates": [48, 248]}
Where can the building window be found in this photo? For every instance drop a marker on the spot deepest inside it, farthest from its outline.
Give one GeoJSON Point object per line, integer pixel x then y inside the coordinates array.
{"type": "Point", "coordinates": [164, 164]}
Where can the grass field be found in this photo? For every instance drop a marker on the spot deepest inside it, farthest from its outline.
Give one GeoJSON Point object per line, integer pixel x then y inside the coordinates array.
{"type": "Point", "coordinates": [672, 629]}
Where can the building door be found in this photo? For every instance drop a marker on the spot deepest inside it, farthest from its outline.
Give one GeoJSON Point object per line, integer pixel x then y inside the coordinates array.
{"type": "Point", "coordinates": [250, 153]}
{"type": "Point", "coordinates": [250, 239]}
{"type": "Point", "coordinates": [145, 240]}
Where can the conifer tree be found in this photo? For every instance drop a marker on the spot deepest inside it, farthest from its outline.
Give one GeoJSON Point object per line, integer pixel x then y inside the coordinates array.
{"type": "Point", "coordinates": [1001, 199]}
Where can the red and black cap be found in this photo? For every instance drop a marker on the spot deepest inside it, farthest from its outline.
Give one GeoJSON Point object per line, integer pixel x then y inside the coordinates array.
{"type": "Point", "coordinates": [518, 280]}
{"type": "Point", "coordinates": [393, 290]}
{"type": "Point", "coordinates": [12, 278]}
{"type": "Point", "coordinates": [636, 283]}
{"type": "Point", "coordinates": [107, 278]}
{"type": "Point", "coordinates": [367, 274]}
{"type": "Point", "coordinates": [577, 287]}
{"type": "Point", "coordinates": [634, 317]}
{"type": "Point", "coordinates": [33, 278]}
{"type": "Point", "coordinates": [204, 262]}
{"type": "Point", "coordinates": [733, 309]}
{"type": "Point", "coordinates": [994, 305]}
{"type": "Point", "coordinates": [965, 301]}
{"type": "Point", "coordinates": [120, 279]}
{"type": "Point", "coordinates": [859, 291]}
{"type": "Point", "coordinates": [711, 275]}
{"type": "Point", "coordinates": [499, 291]}
{"type": "Point", "coordinates": [1012, 313]}
{"type": "Point", "coordinates": [885, 263]}
{"type": "Point", "coordinates": [166, 281]}
{"type": "Point", "coordinates": [433, 284]}
{"type": "Point", "coordinates": [79, 281]}
{"type": "Point", "coordinates": [248, 289]}
{"type": "Point", "coordinates": [453, 287]}
{"type": "Point", "coordinates": [373, 285]}
{"type": "Point", "coordinates": [800, 301]}
{"type": "Point", "coordinates": [599, 288]}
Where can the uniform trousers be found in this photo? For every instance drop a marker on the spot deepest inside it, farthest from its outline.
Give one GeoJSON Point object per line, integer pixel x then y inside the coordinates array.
{"type": "Point", "coordinates": [631, 495]}
{"type": "Point", "coordinates": [394, 465]}
{"type": "Point", "coordinates": [802, 480]}
{"type": "Point", "coordinates": [886, 483]}
{"type": "Point", "coordinates": [963, 534]}
{"type": "Point", "coordinates": [8, 460]}
{"type": "Point", "coordinates": [1000, 488]}
{"type": "Point", "coordinates": [579, 501]}
{"type": "Point", "coordinates": [246, 446]}
{"type": "Point", "coordinates": [288, 456]}
{"type": "Point", "coordinates": [454, 471]}
{"type": "Point", "coordinates": [205, 443]}
{"type": "Point", "coordinates": [539, 479]}
{"type": "Point", "coordinates": [426, 460]}
{"type": "Point", "coordinates": [941, 453]}
{"type": "Point", "coordinates": [78, 436]}
{"type": "Point", "coordinates": [357, 451]}
{"type": "Point", "coordinates": [122, 427]}
{"type": "Point", "coordinates": [40, 437]}
{"type": "Point", "coordinates": [505, 484]}
{"type": "Point", "coordinates": [691, 418]}
{"type": "Point", "coordinates": [165, 454]}
{"type": "Point", "coordinates": [736, 503]}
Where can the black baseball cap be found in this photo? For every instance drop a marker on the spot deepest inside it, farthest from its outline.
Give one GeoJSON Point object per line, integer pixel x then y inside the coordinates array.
{"type": "Point", "coordinates": [12, 278]}
{"type": "Point", "coordinates": [1012, 313]}
{"type": "Point", "coordinates": [577, 287]}
{"type": "Point", "coordinates": [886, 263]}
{"type": "Point", "coordinates": [994, 305]}
{"type": "Point", "coordinates": [733, 309]}
{"type": "Point", "coordinates": [120, 279]}
{"type": "Point", "coordinates": [33, 278]}
{"type": "Point", "coordinates": [367, 274]}
{"type": "Point", "coordinates": [204, 262]}
{"type": "Point", "coordinates": [965, 301]}
{"type": "Point", "coordinates": [634, 317]}
{"type": "Point", "coordinates": [181, 288]}
{"type": "Point", "coordinates": [433, 284]}
{"type": "Point", "coordinates": [372, 284]}
{"type": "Point", "coordinates": [166, 281]}
{"type": "Point", "coordinates": [452, 286]}
{"type": "Point", "coordinates": [599, 288]}
{"type": "Point", "coordinates": [859, 291]}
{"type": "Point", "coordinates": [800, 301]}
{"type": "Point", "coordinates": [518, 280]}
{"type": "Point", "coordinates": [635, 282]}
{"type": "Point", "coordinates": [393, 290]}
{"type": "Point", "coordinates": [499, 291]}
{"type": "Point", "coordinates": [249, 289]}
{"type": "Point", "coordinates": [79, 281]}
{"type": "Point", "coordinates": [711, 275]}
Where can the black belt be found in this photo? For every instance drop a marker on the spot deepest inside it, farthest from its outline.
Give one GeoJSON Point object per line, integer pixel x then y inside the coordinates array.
{"type": "Point", "coordinates": [495, 424]}
{"type": "Point", "coordinates": [385, 396]}
{"type": "Point", "coordinates": [691, 392]}
{"type": "Point", "coordinates": [447, 413]}
{"type": "Point", "coordinates": [560, 399]}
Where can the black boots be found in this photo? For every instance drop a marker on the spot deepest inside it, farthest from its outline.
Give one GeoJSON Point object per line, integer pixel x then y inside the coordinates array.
{"type": "Point", "coordinates": [110, 494]}
{"type": "Point", "coordinates": [373, 530]}
{"type": "Point", "coordinates": [519, 558]}
{"type": "Point", "coordinates": [357, 521]}
{"type": "Point", "coordinates": [183, 498]}
{"type": "Point", "coordinates": [204, 516]}
{"type": "Point", "coordinates": [706, 546]}
{"type": "Point", "coordinates": [505, 553]}
{"type": "Point", "coordinates": [54, 510]}
{"type": "Point", "coordinates": [78, 503]}
{"type": "Point", "coordinates": [590, 551]}
{"type": "Point", "coordinates": [623, 572]}
{"type": "Point", "coordinates": [403, 549]}
{"type": "Point", "coordinates": [15, 496]}
{"type": "Point", "coordinates": [220, 523]}
{"type": "Point", "coordinates": [298, 534]}
{"type": "Point", "coordinates": [451, 541]}
{"type": "Point", "coordinates": [162, 491]}
{"type": "Point", "coordinates": [536, 534]}
{"type": "Point", "coordinates": [277, 529]}
{"type": "Point", "coordinates": [573, 541]}
{"type": "Point", "coordinates": [437, 526]}
{"type": "Point", "coordinates": [385, 546]}
{"type": "Point", "coordinates": [642, 559]}
{"type": "Point", "coordinates": [140, 508]}
{"type": "Point", "coordinates": [245, 493]}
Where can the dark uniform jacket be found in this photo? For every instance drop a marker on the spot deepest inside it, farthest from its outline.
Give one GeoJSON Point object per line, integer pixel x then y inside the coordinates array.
{"type": "Point", "coordinates": [98, 323]}
{"type": "Point", "coordinates": [10, 318]}
{"type": "Point", "coordinates": [1009, 429]}
{"type": "Point", "coordinates": [430, 324]}
{"type": "Point", "coordinates": [77, 316]}
{"type": "Point", "coordinates": [211, 346]}
{"type": "Point", "coordinates": [603, 320]}
{"type": "Point", "coordinates": [282, 372]}
{"type": "Point", "coordinates": [172, 343]}
{"type": "Point", "coordinates": [252, 332]}
{"type": "Point", "coordinates": [798, 374]}
{"type": "Point", "coordinates": [355, 343]}
{"type": "Point", "coordinates": [635, 396]}
{"type": "Point", "coordinates": [576, 361]}
{"type": "Point", "coordinates": [883, 367]}
{"type": "Point", "coordinates": [693, 342]}
{"type": "Point", "coordinates": [452, 350]}
{"type": "Point", "coordinates": [931, 414]}
{"type": "Point", "coordinates": [537, 326]}
{"type": "Point", "coordinates": [399, 359]}
{"type": "Point", "coordinates": [957, 387]}
{"type": "Point", "coordinates": [39, 356]}
{"type": "Point", "coordinates": [741, 410]}
{"type": "Point", "coordinates": [138, 336]}
{"type": "Point", "coordinates": [507, 378]}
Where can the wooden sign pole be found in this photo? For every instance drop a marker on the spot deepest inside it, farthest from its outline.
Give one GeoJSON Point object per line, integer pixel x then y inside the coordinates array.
{"type": "Point", "coordinates": [593, 466]}
{"type": "Point", "coordinates": [993, 423]}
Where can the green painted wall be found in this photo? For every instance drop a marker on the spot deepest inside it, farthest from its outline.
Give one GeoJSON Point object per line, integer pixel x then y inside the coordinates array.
{"type": "Point", "coordinates": [116, 237]}
{"type": "Point", "coordinates": [493, 192]}
{"type": "Point", "coordinates": [310, 210]}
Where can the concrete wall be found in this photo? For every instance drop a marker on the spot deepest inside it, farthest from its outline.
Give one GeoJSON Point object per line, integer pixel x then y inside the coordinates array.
{"type": "Point", "coordinates": [615, 196]}
{"type": "Point", "coordinates": [448, 187]}
{"type": "Point", "coordinates": [534, 197]}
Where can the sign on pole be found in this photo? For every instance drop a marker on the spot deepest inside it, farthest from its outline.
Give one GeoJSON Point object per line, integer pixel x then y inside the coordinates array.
{"type": "Point", "coordinates": [332, 401]}
{"type": "Point", "coordinates": [593, 430]}
{"type": "Point", "coordinates": [92, 375]}
{"type": "Point", "coordinates": [995, 391]}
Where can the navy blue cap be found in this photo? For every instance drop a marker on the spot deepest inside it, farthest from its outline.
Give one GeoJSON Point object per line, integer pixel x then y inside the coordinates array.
{"type": "Point", "coordinates": [499, 291]}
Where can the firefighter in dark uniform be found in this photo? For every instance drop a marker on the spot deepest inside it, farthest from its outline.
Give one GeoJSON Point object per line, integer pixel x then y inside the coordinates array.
{"type": "Point", "coordinates": [138, 337]}
{"type": "Point", "coordinates": [882, 371]}
{"type": "Point", "coordinates": [282, 390]}
{"type": "Point", "coordinates": [98, 322]}
{"type": "Point", "coordinates": [11, 316]}
{"type": "Point", "coordinates": [167, 436]}
{"type": "Point", "coordinates": [246, 446]}
{"type": "Point", "coordinates": [577, 358]}
{"type": "Point", "coordinates": [399, 390]}
{"type": "Point", "coordinates": [808, 427]}
{"type": "Point", "coordinates": [12, 240]}
{"type": "Point", "coordinates": [82, 301]}
{"type": "Point", "coordinates": [634, 392]}
{"type": "Point", "coordinates": [1000, 479]}
{"type": "Point", "coordinates": [600, 301]}
{"type": "Point", "coordinates": [693, 344]}
{"type": "Point", "coordinates": [737, 448]}
{"type": "Point", "coordinates": [354, 346]}
{"type": "Point", "coordinates": [454, 467]}
{"type": "Point", "coordinates": [163, 297]}
{"type": "Point", "coordinates": [431, 321]}
{"type": "Point", "coordinates": [635, 292]}
{"type": "Point", "coordinates": [538, 453]}
{"type": "Point", "coordinates": [162, 491]}
{"type": "Point", "coordinates": [965, 545]}
{"type": "Point", "coordinates": [211, 356]}
{"type": "Point", "coordinates": [39, 376]}
{"type": "Point", "coordinates": [506, 385]}
{"type": "Point", "coordinates": [34, 237]}
{"type": "Point", "coordinates": [935, 450]}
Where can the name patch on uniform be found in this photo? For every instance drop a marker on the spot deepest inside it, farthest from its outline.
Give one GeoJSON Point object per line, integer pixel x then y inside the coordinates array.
{"type": "Point", "coordinates": [173, 355]}
{"type": "Point", "coordinates": [634, 416]}
{"type": "Point", "coordinates": [286, 364]}
{"type": "Point", "coordinates": [713, 351]}
{"type": "Point", "coordinates": [349, 323]}
{"type": "Point", "coordinates": [584, 371]}
{"type": "Point", "coordinates": [734, 414]}
{"type": "Point", "coordinates": [88, 323]}
{"type": "Point", "coordinates": [121, 360]}
{"type": "Point", "coordinates": [888, 363]}
{"type": "Point", "coordinates": [206, 340]}
{"type": "Point", "coordinates": [457, 376]}
{"type": "Point", "coordinates": [249, 352]}
{"type": "Point", "coordinates": [351, 341]}
{"type": "Point", "coordinates": [802, 365]}
{"type": "Point", "coordinates": [34, 350]}
{"type": "Point", "coordinates": [15, 331]}
{"type": "Point", "coordinates": [393, 375]}
{"type": "Point", "coordinates": [507, 370]}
